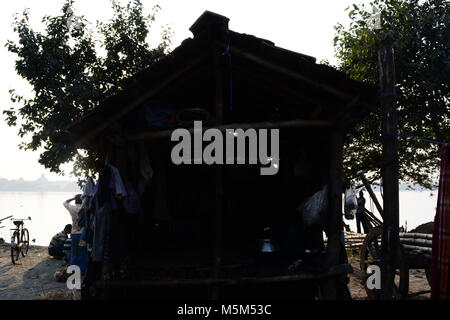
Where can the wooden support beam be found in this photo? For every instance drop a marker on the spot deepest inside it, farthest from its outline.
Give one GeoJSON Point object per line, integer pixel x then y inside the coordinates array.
{"type": "Point", "coordinates": [334, 230]}
{"type": "Point", "coordinates": [390, 242]}
{"type": "Point", "coordinates": [220, 102]}
{"type": "Point", "coordinates": [288, 72]}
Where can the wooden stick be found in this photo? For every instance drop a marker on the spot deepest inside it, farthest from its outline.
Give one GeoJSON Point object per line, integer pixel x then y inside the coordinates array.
{"type": "Point", "coordinates": [371, 193]}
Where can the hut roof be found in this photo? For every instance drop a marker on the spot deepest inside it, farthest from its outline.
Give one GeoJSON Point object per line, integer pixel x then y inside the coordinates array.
{"type": "Point", "coordinates": [293, 76]}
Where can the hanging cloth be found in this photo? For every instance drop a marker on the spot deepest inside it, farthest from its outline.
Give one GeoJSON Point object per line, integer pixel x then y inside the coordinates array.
{"type": "Point", "coordinates": [441, 233]}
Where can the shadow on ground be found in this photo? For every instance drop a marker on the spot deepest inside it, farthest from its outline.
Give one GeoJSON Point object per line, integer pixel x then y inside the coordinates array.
{"type": "Point", "coordinates": [32, 278]}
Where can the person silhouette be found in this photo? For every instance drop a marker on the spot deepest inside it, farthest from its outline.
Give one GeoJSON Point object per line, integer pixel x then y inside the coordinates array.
{"type": "Point", "coordinates": [361, 218]}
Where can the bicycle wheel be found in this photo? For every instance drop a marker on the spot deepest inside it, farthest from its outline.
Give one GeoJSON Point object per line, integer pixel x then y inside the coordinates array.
{"type": "Point", "coordinates": [15, 249]}
{"type": "Point", "coordinates": [25, 239]}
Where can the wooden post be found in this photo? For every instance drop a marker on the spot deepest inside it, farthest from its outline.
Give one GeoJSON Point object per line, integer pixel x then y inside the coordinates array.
{"type": "Point", "coordinates": [335, 244]}
{"type": "Point", "coordinates": [220, 203]}
{"type": "Point", "coordinates": [390, 240]}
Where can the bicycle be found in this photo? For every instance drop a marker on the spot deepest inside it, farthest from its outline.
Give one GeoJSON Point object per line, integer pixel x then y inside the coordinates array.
{"type": "Point", "coordinates": [20, 240]}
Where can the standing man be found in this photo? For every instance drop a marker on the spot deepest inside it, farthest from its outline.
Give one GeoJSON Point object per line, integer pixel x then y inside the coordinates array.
{"type": "Point", "coordinates": [361, 215]}
{"type": "Point", "coordinates": [78, 254]}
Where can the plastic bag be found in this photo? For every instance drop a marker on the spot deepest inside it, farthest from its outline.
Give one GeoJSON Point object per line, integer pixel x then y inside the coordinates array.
{"type": "Point", "coordinates": [350, 204]}
{"type": "Point", "coordinates": [314, 210]}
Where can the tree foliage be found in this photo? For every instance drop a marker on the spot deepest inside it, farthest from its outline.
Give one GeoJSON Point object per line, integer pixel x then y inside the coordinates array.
{"type": "Point", "coordinates": [72, 69]}
{"type": "Point", "coordinates": [420, 34]}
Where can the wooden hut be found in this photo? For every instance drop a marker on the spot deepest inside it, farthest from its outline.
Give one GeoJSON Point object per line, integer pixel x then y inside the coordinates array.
{"type": "Point", "coordinates": [198, 231]}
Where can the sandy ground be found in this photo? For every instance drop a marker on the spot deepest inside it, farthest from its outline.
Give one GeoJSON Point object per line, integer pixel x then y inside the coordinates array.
{"type": "Point", "coordinates": [33, 278]}
{"type": "Point", "coordinates": [417, 283]}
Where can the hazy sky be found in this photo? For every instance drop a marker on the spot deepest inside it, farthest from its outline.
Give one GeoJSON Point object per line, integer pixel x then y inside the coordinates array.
{"type": "Point", "coordinates": [298, 25]}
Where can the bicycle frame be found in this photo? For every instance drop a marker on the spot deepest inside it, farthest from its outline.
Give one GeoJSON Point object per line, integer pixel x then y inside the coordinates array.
{"type": "Point", "coordinates": [18, 229]}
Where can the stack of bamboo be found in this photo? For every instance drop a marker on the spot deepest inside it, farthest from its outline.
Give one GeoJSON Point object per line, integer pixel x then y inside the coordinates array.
{"type": "Point", "coordinates": [353, 240]}
{"type": "Point", "coordinates": [419, 243]}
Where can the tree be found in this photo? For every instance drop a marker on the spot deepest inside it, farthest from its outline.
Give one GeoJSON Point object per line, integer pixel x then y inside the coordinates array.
{"type": "Point", "coordinates": [420, 34]}
{"type": "Point", "coordinates": [69, 76]}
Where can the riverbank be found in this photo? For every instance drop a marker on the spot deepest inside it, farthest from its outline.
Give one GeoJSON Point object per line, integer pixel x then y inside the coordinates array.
{"type": "Point", "coordinates": [33, 279]}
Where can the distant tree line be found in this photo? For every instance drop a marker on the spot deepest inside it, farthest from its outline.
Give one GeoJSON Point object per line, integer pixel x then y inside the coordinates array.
{"type": "Point", "coordinates": [38, 185]}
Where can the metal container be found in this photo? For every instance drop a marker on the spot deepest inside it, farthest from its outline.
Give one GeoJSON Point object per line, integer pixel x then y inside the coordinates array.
{"type": "Point", "coordinates": [268, 246]}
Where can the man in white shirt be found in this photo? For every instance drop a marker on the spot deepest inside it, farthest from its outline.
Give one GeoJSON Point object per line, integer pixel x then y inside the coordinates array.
{"type": "Point", "coordinates": [74, 210]}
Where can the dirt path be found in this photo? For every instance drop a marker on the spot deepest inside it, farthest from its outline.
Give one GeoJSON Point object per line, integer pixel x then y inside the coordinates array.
{"type": "Point", "coordinates": [417, 282]}
{"type": "Point", "coordinates": [33, 278]}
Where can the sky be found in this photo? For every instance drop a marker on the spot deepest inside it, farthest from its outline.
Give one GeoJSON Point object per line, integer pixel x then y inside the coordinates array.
{"type": "Point", "coordinates": [298, 25]}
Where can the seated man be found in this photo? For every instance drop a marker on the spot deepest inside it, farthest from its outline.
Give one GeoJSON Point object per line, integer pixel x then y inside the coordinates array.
{"type": "Point", "coordinates": [56, 246]}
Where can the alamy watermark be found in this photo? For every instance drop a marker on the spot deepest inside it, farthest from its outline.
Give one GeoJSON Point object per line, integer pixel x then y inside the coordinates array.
{"type": "Point", "coordinates": [221, 147]}
{"type": "Point", "coordinates": [374, 280]}
{"type": "Point", "coordinates": [74, 280]}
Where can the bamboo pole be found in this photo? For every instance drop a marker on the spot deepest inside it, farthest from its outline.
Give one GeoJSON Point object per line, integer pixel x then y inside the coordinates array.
{"type": "Point", "coordinates": [5, 218]}
{"type": "Point", "coordinates": [427, 236]}
{"type": "Point", "coordinates": [417, 242]}
{"type": "Point", "coordinates": [417, 248]}
{"type": "Point", "coordinates": [371, 193]}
